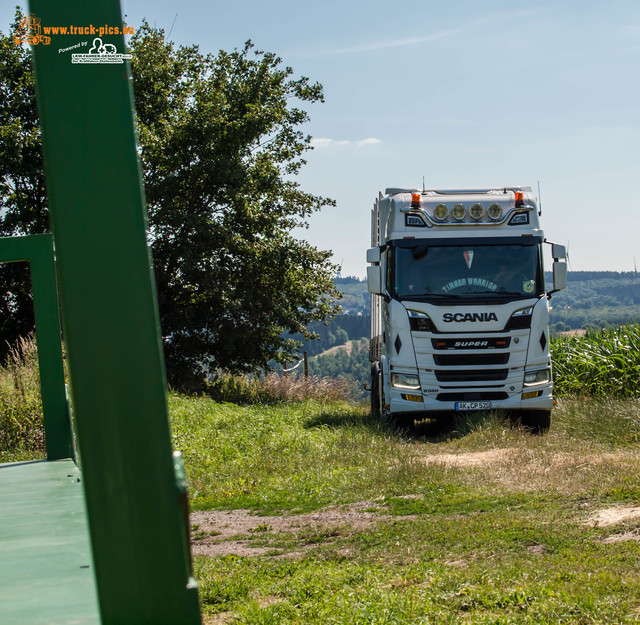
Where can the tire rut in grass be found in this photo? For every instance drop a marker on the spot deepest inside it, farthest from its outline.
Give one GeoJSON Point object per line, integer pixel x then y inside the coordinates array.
{"type": "Point", "coordinates": [242, 533]}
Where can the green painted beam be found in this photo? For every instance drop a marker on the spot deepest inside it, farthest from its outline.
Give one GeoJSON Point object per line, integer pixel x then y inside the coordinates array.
{"type": "Point", "coordinates": [110, 320]}
{"type": "Point", "coordinates": [37, 249]}
{"type": "Point", "coordinates": [46, 571]}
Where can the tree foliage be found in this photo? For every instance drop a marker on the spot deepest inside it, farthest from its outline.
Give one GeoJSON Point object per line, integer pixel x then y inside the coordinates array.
{"type": "Point", "coordinates": [220, 144]}
{"type": "Point", "coordinates": [22, 187]}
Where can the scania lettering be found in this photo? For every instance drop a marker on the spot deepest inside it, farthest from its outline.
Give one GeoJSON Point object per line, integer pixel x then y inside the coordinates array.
{"type": "Point", "coordinates": [469, 317]}
{"type": "Point", "coordinates": [459, 305]}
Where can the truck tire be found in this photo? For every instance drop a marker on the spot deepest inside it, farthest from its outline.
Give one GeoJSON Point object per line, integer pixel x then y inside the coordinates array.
{"type": "Point", "coordinates": [537, 421]}
{"type": "Point", "coordinates": [400, 421]}
{"type": "Point", "coordinates": [375, 389]}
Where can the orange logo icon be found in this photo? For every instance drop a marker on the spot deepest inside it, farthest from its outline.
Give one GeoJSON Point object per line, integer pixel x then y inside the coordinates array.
{"type": "Point", "coordinates": [30, 31]}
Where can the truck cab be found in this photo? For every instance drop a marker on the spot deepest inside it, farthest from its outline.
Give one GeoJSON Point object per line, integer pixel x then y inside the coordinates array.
{"type": "Point", "coordinates": [460, 309]}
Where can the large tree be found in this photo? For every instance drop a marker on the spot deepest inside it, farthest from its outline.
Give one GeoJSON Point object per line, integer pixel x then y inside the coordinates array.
{"type": "Point", "coordinates": [220, 146]}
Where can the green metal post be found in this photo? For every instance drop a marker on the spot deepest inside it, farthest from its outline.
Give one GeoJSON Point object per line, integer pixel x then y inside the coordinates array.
{"type": "Point", "coordinates": [37, 249]}
{"type": "Point", "coordinates": [110, 319]}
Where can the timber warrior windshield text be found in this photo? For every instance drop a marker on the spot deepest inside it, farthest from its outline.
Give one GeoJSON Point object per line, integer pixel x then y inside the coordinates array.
{"type": "Point", "coordinates": [470, 272]}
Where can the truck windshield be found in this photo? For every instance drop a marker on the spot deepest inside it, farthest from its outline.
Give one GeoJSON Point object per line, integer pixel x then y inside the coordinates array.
{"type": "Point", "coordinates": [423, 271]}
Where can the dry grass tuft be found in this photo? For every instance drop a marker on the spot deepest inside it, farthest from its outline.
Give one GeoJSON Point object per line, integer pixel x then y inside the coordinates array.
{"type": "Point", "coordinates": [613, 516]}
{"type": "Point", "coordinates": [471, 459]}
{"type": "Point", "coordinates": [21, 421]}
{"type": "Point", "coordinates": [21, 374]}
{"type": "Point", "coordinates": [275, 388]}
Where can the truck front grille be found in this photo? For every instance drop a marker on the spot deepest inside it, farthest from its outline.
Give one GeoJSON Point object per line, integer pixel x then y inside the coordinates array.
{"type": "Point", "coordinates": [471, 359]}
{"type": "Point", "coordinates": [494, 342]}
{"type": "Point", "coordinates": [466, 375]}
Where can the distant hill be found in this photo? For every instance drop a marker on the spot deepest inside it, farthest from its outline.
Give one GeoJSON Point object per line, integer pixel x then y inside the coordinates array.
{"type": "Point", "coordinates": [356, 297]}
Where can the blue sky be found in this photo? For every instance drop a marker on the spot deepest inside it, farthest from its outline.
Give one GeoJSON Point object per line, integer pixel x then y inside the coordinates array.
{"type": "Point", "coordinates": [464, 93]}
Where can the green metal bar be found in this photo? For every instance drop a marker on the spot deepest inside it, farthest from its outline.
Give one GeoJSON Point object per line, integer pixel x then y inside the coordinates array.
{"type": "Point", "coordinates": [110, 319]}
{"type": "Point", "coordinates": [37, 249]}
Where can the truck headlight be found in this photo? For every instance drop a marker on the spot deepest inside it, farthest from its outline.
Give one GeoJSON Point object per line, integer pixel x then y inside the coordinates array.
{"type": "Point", "coordinates": [543, 376]}
{"type": "Point", "coordinates": [405, 380]}
{"type": "Point", "coordinates": [520, 319]}
{"type": "Point", "coordinates": [419, 321]}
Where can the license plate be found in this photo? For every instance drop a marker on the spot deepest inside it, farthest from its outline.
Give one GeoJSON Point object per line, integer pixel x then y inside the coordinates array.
{"type": "Point", "coordinates": [473, 405]}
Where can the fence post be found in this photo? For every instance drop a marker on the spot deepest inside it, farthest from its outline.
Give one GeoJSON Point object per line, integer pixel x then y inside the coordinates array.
{"type": "Point", "coordinates": [306, 364]}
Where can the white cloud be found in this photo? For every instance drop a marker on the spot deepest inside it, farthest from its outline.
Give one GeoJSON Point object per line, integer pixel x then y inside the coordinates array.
{"type": "Point", "coordinates": [321, 142]}
{"type": "Point", "coordinates": [324, 142]}
{"type": "Point", "coordinates": [369, 141]}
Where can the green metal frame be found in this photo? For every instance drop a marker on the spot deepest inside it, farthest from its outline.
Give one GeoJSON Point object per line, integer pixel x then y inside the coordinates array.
{"type": "Point", "coordinates": [111, 325]}
{"type": "Point", "coordinates": [37, 250]}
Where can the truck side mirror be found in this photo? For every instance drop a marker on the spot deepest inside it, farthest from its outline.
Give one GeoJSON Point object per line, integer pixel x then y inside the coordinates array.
{"type": "Point", "coordinates": [373, 255]}
{"type": "Point", "coordinates": [559, 275]}
{"type": "Point", "coordinates": [374, 272]}
{"type": "Point", "coordinates": [558, 251]}
{"type": "Point", "coordinates": [374, 279]}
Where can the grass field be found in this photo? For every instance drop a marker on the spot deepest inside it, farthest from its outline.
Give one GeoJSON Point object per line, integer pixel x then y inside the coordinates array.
{"type": "Point", "coordinates": [312, 513]}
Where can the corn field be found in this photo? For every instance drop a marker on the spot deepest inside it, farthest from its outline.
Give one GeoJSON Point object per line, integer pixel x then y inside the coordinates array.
{"type": "Point", "coordinates": [604, 363]}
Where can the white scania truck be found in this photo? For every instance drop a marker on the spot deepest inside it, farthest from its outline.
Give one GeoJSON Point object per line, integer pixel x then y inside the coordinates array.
{"type": "Point", "coordinates": [459, 310]}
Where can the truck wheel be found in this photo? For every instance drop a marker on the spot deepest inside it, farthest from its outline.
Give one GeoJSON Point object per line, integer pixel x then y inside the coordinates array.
{"type": "Point", "coordinates": [537, 421]}
{"type": "Point", "coordinates": [375, 389]}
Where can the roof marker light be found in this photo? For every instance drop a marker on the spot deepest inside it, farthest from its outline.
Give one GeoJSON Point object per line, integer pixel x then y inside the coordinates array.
{"type": "Point", "coordinates": [494, 211]}
{"type": "Point", "coordinates": [476, 211]}
{"type": "Point", "coordinates": [459, 212]}
{"type": "Point", "coordinates": [441, 212]}
{"type": "Point", "coordinates": [519, 198]}
{"type": "Point", "coordinates": [415, 200]}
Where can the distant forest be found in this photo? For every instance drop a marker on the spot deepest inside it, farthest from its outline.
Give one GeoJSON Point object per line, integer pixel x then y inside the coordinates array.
{"type": "Point", "coordinates": [595, 299]}
{"type": "Point", "coordinates": [592, 299]}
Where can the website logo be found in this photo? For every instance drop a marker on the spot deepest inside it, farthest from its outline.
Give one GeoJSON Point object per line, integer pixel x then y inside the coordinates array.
{"type": "Point", "coordinates": [29, 30]}
{"type": "Point", "coordinates": [100, 53]}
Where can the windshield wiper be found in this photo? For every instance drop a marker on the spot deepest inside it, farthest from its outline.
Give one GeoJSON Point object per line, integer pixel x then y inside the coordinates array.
{"type": "Point", "coordinates": [423, 296]}
{"type": "Point", "coordinates": [512, 293]}
{"type": "Point", "coordinates": [454, 295]}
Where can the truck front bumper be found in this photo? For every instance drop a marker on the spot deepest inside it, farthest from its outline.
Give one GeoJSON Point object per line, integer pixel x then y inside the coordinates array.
{"type": "Point", "coordinates": [447, 400]}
